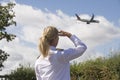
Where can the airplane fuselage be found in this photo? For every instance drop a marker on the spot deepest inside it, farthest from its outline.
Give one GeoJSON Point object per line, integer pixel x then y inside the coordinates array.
{"type": "Point", "coordinates": [87, 21]}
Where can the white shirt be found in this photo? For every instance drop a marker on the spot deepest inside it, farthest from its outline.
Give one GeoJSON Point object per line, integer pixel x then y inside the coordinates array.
{"type": "Point", "coordinates": [56, 65]}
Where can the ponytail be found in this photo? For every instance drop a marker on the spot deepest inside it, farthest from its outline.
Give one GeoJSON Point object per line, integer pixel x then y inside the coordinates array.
{"type": "Point", "coordinates": [47, 38]}
{"type": "Point", "coordinates": [44, 46]}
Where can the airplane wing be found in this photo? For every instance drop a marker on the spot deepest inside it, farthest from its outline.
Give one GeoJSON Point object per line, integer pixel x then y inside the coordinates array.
{"type": "Point", "coordinates": [92, 18]}
{"type": "Point", "coordinates": [77, 17]}
{"type": "Point", "coordinates": [83, 20]}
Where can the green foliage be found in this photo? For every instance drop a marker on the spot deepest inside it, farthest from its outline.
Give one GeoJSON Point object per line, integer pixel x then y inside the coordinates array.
{"type": "Point", "coordinates": [22, 73]}
{"type": "Point", "coordinates": [6, 19]}
{"type": "Point", "coordinates": [99, 69]}
{"type": "Point", "coordinates": [3, 57]}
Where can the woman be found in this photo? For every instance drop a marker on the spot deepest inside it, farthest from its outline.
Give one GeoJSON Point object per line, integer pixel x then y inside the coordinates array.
{"type": "Point", "coordinates": [53, 63]}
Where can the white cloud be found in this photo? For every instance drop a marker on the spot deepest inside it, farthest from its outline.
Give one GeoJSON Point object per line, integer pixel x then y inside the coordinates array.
{"type": "Point", "coordinates": [6, 1]}
{"type": "Point", "coordinates": [31, 22]}
{"type": "Point", "coordinates": [88, 55]}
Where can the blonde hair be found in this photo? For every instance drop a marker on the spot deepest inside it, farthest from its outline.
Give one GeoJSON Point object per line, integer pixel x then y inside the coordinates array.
{"type": "Point", "coordinates": [49, 34]}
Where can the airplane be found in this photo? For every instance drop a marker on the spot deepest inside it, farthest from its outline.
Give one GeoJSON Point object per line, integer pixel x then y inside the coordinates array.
{"type": "Point", "coordinates": [87, 21]}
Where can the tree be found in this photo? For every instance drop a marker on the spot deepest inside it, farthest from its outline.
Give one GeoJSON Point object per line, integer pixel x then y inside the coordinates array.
{"type": "Point", "coordinates": [6, 20]}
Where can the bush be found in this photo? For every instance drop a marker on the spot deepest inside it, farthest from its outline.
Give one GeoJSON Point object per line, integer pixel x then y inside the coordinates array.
{"type": "Point", "coordinates": [99, 69]}
{"type": "Point", "coordinates": [22, 73]}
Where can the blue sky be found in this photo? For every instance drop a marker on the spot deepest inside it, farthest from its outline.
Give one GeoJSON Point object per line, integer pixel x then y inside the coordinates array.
{"type": "Point", "coordinates": [108, 8]}
{"type": "Point", "coordinates": [33, 15]}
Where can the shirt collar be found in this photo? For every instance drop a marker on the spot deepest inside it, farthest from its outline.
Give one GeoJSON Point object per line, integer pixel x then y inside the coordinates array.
{"type": "Point", "coordinates": [52, 47]}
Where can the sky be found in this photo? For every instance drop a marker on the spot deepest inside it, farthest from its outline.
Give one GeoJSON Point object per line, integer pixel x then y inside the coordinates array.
{"type": "Point", "coordinates": [32, 16]}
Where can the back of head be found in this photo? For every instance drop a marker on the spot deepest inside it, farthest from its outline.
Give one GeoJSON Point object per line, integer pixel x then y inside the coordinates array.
{"type": "Point", "coordinates": [49, 34]}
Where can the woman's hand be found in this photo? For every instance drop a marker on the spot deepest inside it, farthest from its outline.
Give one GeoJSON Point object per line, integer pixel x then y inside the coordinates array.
{"type": "Point", "coordinates": [64, 33]}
